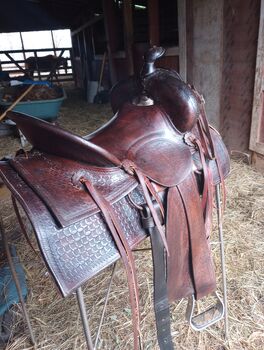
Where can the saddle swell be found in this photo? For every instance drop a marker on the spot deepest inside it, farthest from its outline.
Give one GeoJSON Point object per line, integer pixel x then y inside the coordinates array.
{"type": "Point", "coordinates": [149, 171]}
{"type": "Point", "coordinates": [167, 90]}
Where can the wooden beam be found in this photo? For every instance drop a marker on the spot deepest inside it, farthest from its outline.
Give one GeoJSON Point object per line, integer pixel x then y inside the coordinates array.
{"type": "Point", "coordinates": [15, 63]}
{"type": "Point", "coordinates": [107, 8]}
{"type": "Point", "coordinates": [32, 50]}
{"type": "Point", "coordinates": [257, 122]}
{"type": "Point", "coordinates": [182, 38]}
{"type": "Point", "coordinates": [87, 24]}
{"type": "Point", "coordinates": [128, 35]}
{"type": "Point", "coordinates": [23, 47]}
{"type": "Point", "coordinates": [53, 43]}
{"type": "Point", "coordinates": [36, 60]}
{"type": "Point", "coordinates": [153, 17]}
{"type": "Point", "coordinates": [189, 41]}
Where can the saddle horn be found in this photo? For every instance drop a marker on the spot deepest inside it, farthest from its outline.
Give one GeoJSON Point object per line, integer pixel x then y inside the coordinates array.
{"type": "Point", "coordinates": [153, 54]}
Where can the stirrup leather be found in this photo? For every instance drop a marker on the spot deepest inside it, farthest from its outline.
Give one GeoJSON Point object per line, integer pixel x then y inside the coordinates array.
{"type": "Point", "coordinates": [206, 318]}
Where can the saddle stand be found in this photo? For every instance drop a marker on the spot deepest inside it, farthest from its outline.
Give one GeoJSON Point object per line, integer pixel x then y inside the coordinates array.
{"type": "Point", "coordinates": [154, 170]}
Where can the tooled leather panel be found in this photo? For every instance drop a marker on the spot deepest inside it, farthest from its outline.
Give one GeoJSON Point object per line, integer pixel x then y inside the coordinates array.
{"type": "Point", "coordinates": [57, 182]}
{"type": "Point", "coordinates": [78, 252]}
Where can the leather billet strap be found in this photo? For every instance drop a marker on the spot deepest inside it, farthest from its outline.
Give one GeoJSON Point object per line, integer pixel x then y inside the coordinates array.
{"type": "Point", "coordinates": [161, 301]}
{"type": "Point", "coordinates": [125, 252]}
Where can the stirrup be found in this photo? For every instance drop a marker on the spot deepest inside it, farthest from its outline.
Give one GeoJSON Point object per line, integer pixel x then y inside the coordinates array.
{"type": "Point", "coordinates": [206, 318]}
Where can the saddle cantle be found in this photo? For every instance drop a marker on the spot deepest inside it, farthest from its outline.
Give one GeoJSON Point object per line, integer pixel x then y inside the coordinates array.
{"type": "Point", "coordinates": [150, 170]}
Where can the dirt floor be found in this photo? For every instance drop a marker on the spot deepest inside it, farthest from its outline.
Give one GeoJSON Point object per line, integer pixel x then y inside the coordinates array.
{"type": "Point", "coordinates": [56, 323]}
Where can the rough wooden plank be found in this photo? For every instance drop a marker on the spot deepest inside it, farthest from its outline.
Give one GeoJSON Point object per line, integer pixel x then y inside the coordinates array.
{"type": "Point", "coordinates": [128, 35]}
{"type": "Point", "coordinates": [258, 161]}
{"type": "Point", "coordinates": [240, 33]}
{"type": "Point", "coordinates": [153, 17]}
{"type": "Point", "coordinates": [257, 123]}
{"type": "Point", "coordinates": [182, 38]}
{"type": "Point", "coordinates": [206, 62]}
{"type": "Point", "coordinates": [110, 37]}
{"type": "Point", "coordinates": [87, 24]}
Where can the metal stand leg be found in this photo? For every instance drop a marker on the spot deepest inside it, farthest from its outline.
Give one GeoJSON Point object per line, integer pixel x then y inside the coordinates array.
{"type": "Point", "coordinates": [16, 280]}
{"type": "Point", "coordinates": [105, 305]}
{"type": "Point", "coordinates": [222, 252]}
{"type": "Point", "coordinates": [85, 323]}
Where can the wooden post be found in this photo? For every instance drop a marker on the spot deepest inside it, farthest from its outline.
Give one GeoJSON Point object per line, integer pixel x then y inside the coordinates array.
{"type": "Point", "coordinates": [79, 45]}
{"type": "Point", "coordinates": [15, 63]}
{"type": "Point", "coordinates": [182, 38]}
{"type": "Point", "coordinates": [153, 17]}
{"type": "Point", "coordinates": [22, 44]}
{"type": "Point", "coordinates": [2, 116]}
{"type": "Point", "coordinates": [189, 39]}
{"type": "Point", "coordinates": [36, 58]}
{"type": "Point", "coordinates": [111, 47]}
{"type": "Point", "coordinates": [257, 121]}
{"type": "Point", "coordinates": [128, 35]}
{"type": "Point", "coordinates": [53, 43]}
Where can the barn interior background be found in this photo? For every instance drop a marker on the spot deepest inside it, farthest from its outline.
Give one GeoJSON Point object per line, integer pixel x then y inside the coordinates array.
{"type": "Point", "coordinates": [218, 47]}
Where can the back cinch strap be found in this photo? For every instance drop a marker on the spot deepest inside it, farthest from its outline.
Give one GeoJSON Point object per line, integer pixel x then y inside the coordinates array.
{"type": "Point", "coordinates": [161, 302]}
{"type": "Point", "coordinates": [125, 252]}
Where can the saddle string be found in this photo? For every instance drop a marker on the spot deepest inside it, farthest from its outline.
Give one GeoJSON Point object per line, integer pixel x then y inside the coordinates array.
{"type": "Point", "coordinates": [131, 168]}
{"type": "Point", "coordinates": [125, 252]}
{"type": "Point", "coordinates": [202, 120]}
{"type": "Point", "coordinates": [203, 140]}
{"type": "Point", "coordinates": [155, 195]}
{"type": "Point", "coordinates": [208, 212]}
{"type": "Point", "coordinates": [156, 219]}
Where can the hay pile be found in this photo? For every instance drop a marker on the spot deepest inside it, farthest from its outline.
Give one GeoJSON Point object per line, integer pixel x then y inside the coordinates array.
{"type": "Point", "coordinates": [56, 322]}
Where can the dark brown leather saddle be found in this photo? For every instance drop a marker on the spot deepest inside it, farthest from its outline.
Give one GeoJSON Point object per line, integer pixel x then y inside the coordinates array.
{"type": "Point", "coordinates": [150, 171]}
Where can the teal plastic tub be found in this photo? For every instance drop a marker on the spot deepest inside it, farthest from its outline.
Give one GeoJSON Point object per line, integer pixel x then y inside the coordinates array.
{"type": "Point", "coordinates": [43, 109]}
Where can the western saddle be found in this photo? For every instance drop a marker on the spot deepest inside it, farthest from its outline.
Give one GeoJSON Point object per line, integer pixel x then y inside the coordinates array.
{"type": "Point", "coordinates": [150, 171]}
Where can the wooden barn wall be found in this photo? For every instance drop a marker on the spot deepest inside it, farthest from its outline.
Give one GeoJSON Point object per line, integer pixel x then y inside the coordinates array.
{"type": "Point", "coordinates": [240, 34]}
{"type": "Point", "coordinates": [204, 17]}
